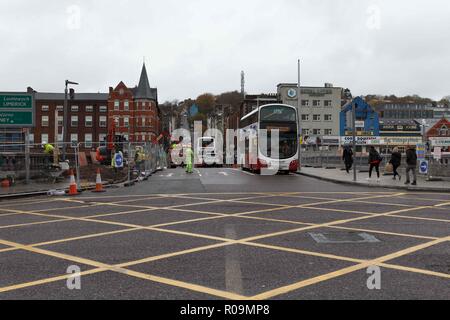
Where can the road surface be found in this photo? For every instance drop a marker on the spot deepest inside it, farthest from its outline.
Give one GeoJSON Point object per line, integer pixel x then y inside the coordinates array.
{"type": "Point", "coordinates": [227, 234]}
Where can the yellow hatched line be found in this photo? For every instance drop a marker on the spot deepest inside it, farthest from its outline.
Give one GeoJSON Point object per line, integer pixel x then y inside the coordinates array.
{"type": "Point", "coordinates": [106, 267]}
{"type": "Point", "coordinates": [231, 242]}
{"type": "Point", "coordinates": [302, 284]}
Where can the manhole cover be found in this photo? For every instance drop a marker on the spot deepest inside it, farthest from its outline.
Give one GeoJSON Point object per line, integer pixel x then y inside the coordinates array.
{"type": "Point", "coordinates": [344, 237]}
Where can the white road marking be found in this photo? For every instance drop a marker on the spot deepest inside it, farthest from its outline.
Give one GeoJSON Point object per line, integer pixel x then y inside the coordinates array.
{"type": "Point", "coordinates": [233, 272]}
{"type": "Point", "coordinates": [224, 173]}
{"type": "Point", "coordinates": [245, 172]}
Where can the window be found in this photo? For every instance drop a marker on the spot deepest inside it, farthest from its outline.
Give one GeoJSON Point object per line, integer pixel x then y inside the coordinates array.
{"type": "Point", "coordinates": [60, 137]}
{"type": "Point", "coordinates": [316, 117]}
{"type": "Point", "coordinates": [103, 108]}
{"type": "Point", "coordinates": [305, 103]}
{"type": "Point", "coordinates": [45, 108]}
{"type": "Point", "coordinates": [102, 139]}
{"type": "Point", "coordinates": [317, 103]}
{"type": "Point", "coordinates": [127, 105]}
{"type": "Point", "coordinates": [74, 121]}
{"type": "Point", "coordinates": [117, 121]}
{"type": "Point", "coordinates": [74, 139]}
{"type": "Point", "coordinates": [305, 117]}
{"type": "Point", "coordinates": [103, 122]}
{"type": "Point", "coordinates": [60, 108]}
{"type": "Point", "coordinates": [44, 122]}
{"type": "Point", "coordinates": [328, 117]}
{"type": "Point", "coordinates": [116, 105]}
{"type": "Point", "coordinates": [143, 121]}
{"type": "Point", "coordinates": [317, 132]}
{"type": "Point", "coordinates": [121, 92]}
{"type": "Point", "coordinates": [444, 131]}
{"type": "Point", "coordinates": [328, 132]}
{"type": "Point", "coordinates": [60, 121]}
{"type": "Point", "coordinates": [88, 121]}
{"type": "Point", "coordinates": [88, 140]}
{"type": "Point", "coordinates": [89, 109]}
{"type": "Point", "coordinates": [44, 137]}
{"type": "Point", "coordinates": [143, 137]}
{"type": "Point", "coordinates": [305, 132]}
{"type": "Point", "coordinates": [328, 103]}
{"type": "Point", "coordinates": [74, 108]}
{"type": "Point", "coordinates": [126, 122]}
{"type": "Point", "coordinates": [31, 138]}
{"type": "Point", "coordinates": [126, 137]}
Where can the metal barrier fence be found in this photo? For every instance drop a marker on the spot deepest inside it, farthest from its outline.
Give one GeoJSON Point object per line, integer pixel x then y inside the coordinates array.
{"type": "Point", "coordinates": [319, 157]}
{"type": "Point", "coordinates": [21, 164]}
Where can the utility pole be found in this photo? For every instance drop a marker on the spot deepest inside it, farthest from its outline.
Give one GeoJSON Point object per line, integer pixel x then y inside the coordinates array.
{"type": "Point", "coordinates": [298, 120]}
{"type": "Point", "coordinates": [354, 138]}
{"type": "Point", "coordinates": [65, 129]}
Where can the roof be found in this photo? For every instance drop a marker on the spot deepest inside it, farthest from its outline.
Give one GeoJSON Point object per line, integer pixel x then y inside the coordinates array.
{"type": "Point", "coordinates": [143, 90]}
{"type": "Point", "coordinates": [78, 96]}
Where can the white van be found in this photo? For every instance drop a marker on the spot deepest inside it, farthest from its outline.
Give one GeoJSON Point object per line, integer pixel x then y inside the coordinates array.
{"type": "Point", "coordinates": [207, 153]}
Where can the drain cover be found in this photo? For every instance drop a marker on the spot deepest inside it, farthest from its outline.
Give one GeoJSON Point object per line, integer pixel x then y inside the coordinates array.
{"type": "Point", "coordinates": [344, 237]}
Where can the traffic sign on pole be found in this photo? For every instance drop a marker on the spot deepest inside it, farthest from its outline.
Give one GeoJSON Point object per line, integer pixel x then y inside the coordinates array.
{"type": "Point", "coordinates": [424, 167]}
{"type": "Point", "coordinates": [17, 110]}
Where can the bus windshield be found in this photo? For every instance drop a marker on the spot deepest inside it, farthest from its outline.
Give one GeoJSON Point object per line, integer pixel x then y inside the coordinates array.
{"type": "Point", "coordinates": [278, 114]}
{"type": "Point", "coordinates": [283, 119]}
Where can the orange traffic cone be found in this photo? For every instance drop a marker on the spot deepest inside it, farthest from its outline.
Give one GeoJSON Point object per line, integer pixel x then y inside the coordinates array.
{"type": "Point", "coordinates": [73, 189]}
{"type": "Point", "coordinates": [99, 183]}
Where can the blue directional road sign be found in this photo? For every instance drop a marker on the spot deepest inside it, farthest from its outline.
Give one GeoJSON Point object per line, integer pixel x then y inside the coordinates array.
{"type": "Point", "coordinates": [424, 166]}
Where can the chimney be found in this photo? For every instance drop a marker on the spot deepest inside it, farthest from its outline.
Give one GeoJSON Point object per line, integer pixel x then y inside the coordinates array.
{"type": "Point", "coordinates": [329, 85]}
{"type": "Point", "coordinates": [30, 90]}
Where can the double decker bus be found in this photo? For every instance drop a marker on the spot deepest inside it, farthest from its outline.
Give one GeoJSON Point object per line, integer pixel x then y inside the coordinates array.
{"type": "Point", "coordinates": [270, 117]}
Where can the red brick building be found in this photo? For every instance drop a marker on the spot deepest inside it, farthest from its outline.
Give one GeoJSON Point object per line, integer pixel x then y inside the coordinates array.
{"type": "Point", "coordinates": [87, 118]}
{"type": "Point", "coordinates": [440, 130]}
{"type": "Point", "coordinates": [134, 112]}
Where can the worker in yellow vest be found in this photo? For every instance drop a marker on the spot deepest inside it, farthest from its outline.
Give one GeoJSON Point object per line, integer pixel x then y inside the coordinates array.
{"type": "Point", "coordinates": [189, 159]}
{"type": "Point", "coordinates": [48, 153]}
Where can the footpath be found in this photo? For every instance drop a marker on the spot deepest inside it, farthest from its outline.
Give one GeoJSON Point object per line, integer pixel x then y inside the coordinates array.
{"type": "Point", "coordinates": [386, 181]}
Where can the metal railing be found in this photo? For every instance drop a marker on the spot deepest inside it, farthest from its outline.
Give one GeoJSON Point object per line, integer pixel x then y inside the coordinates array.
{"type": "Point", "coordinates": [332, 158]}
{"type": "Point", "coordinates": [31, 165]}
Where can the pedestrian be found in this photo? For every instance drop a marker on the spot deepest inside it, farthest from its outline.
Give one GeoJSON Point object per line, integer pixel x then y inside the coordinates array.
{"type": "Point", "coordinates": [374, 162]}
{"type": "Point", "coordinates": [189, 159]}
{"type": "Point", "coordinates": [396, 161]}
{"type": "Point", "coordinates": [348, 158]}
{"type": "Point", "coordinates": [411, 161]}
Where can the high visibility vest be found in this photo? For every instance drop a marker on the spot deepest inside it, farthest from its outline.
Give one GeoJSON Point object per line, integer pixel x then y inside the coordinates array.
{"type": "Point", "coordinates": [189, 156]}
{"type": "Point", "coordinates": [48, 148]}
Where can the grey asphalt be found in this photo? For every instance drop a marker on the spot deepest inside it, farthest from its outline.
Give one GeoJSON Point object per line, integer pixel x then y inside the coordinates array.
{"type": "Point", "coordinates": [221, 233]}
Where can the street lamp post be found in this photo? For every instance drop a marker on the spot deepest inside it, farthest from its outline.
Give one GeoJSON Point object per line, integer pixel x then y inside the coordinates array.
{"type": "Point", "coordinates": [65, 129]}
{"type": "Point", "coordinates": [298, 115]}
{"type": "Point", "coordinates": [349, 97]}
{"type": "Point", "coordinates": [354, 138]}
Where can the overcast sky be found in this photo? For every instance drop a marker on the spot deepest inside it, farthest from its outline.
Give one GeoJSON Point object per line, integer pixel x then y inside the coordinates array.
{"type": "Point", "coordinates": [197, 46]}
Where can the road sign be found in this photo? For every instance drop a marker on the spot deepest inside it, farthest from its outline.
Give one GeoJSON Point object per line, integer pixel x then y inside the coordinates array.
{"type": "Point", "coordinates": [437, 154]}
{"type": "Point", "coordinates": [118, 159]}
{"type": "Point", "coordinates": [424, 166]}
{"type": "Point", "coordinates": [15, 118]}
{"type": "Point", "coordinates": [16, 110]}
{"type": "Point", "coordinates": [16, 101]}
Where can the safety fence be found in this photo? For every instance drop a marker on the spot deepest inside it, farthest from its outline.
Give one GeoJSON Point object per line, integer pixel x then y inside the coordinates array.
{"type": "Point", "coordinates": [121, 163]}
{"type": "Point", "coordinates": [332, 158]}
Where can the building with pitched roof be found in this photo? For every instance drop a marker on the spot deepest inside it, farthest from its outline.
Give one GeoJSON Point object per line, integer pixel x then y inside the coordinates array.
{"type": "Point", "coordinates": [134, 112]}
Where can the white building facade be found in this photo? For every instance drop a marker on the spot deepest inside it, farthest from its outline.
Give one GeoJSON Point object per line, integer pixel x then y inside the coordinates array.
{"type": "Point", "coordinates": [319, 111]}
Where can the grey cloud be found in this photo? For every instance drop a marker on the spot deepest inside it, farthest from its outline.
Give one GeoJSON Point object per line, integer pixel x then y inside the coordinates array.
{"type": "Point", "coordinates": [198, 46]}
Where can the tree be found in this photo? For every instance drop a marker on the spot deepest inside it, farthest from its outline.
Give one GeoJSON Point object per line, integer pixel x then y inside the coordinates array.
{"type": "Point", "coordinates": [233, 98]}
{"type": "Point", "coordinates": [206, 103]}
